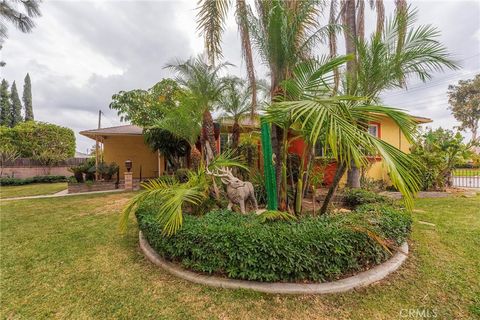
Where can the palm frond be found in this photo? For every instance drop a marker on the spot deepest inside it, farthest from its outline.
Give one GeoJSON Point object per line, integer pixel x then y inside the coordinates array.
{"type": "Point", "coordinates": [274, 215]}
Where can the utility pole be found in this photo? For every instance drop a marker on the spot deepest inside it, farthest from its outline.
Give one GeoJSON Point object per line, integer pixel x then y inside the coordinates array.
{"type": "Point", "coordinates": [97, 154]}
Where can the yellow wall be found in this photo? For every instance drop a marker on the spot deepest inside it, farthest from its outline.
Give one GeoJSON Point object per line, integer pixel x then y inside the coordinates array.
{"type": "Point", "coordinates": [120, 148]}
{"type": "Point", "coordinates": [391, 134]}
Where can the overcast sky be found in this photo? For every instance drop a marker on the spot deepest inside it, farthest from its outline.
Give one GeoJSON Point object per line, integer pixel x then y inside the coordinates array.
{"type": "Point", "coordinates": [82, 52]}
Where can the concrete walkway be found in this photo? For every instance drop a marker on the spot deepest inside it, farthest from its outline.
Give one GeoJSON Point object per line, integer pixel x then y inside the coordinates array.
{"type": "Point", "coordinates": [63, 193]}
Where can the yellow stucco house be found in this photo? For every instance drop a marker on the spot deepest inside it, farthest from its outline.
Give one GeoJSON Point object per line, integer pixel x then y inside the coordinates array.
{"type": "Point", "coordinates": [126, 142]}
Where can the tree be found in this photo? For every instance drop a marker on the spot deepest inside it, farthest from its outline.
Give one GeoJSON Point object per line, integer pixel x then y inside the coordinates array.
{"type": "Point", "coordinates": [145, 107]}
{"type": "Point", "coordinates": [16, 106]}
{"type": "Point", "coordinates": [235, 102]}
{"type": "Point", "coordinates": [204, 85]}
{"type": "Point", "coordinates": [45, 142]}
{"type": "Point", "coordinates": [380, 65]}
{"type": "Point", "coordinates": [211, 20]}
{"type": "Point", "coordinates": [22, 20]}
{"type": "Point", "coordinates": [439, 151]}
{"type": "Point", "coordinates": [333, 122]}
{"type": "Point", "coordinates": [464, 100]}
{"type": "Point", "coordinates": [5, 105]}
{"type": "Point", "coordinates": [284, 34]}
{"type": "Point", "coordinates": [27, 98]}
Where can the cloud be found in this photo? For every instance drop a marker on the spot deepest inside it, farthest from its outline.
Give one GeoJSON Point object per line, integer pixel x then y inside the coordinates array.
{"type": "Point", "coordinates": [82, 52]}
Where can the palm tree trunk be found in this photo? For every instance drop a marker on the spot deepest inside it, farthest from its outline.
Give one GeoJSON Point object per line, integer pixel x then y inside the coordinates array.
{"type": "Point", "coordinates": [235, 134]}
{"type": "Point", "coordinates": [332, 42]}
{"type": "Point", "coordinates": [241, 13]}
{"type": "Point", "coordinates": [353, 179]}
{"type": "Point", "coordinates": [208, 136]}
{"type": "Point", "coordinates": [361, 20]}
{"type": "Point", "coordinates": [380, 16]}
{"type": "Point", "coordinates": [333, 188]}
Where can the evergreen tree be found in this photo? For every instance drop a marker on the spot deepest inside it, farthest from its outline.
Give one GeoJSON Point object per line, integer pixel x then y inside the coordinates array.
{"type": "Point", "coordinates": [27, 98]}
{"type": "Point", "coordinates": [6, 107]}
{"type": "Point", "coordinates": [16, 106]}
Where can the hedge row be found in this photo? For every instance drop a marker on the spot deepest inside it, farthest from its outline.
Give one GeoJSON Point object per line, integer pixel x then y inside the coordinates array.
{"type": "Point", "coordinates": [310, 249]}
{"type": "Point", "coordinates": [36, 179]}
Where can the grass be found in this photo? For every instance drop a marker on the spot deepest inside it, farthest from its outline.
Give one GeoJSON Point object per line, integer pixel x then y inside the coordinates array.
{"type": "Point", "coordinates": [34, 189]}
{"type": "Point", "coordinates": [466, 172]}
{"type": "Point", "coordinates": [64, 258]}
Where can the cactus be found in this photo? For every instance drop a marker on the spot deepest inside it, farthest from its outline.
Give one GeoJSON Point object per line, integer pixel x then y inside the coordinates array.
{"type": "Point", "coordinates": [268, 167]}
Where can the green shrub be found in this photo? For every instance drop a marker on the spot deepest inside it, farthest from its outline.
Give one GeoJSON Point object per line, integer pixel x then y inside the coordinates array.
{"type": "Point", "coordinates": [356, 197]}
{"type": "Point", "coordinates": [36, 179]}
{"type": "Point", "coordinates": [311, 249]}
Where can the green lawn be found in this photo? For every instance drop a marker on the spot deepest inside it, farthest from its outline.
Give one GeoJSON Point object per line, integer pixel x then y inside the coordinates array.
{"type": "Point", "coordinates": [33, 189]}
{"type": "Point", "coordinates": [63, 258]}
{"type": "Point", "coordinates": [466, 172]}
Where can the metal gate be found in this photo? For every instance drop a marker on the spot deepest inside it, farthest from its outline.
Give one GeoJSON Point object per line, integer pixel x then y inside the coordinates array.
{"type": "Point", "coordinates": [466, 178]}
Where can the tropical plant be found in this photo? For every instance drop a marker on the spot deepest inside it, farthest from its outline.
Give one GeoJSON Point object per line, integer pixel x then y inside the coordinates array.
{"type": "Point", "coordinates": [22, 20]}
{"type": "Point", "coordinates": [205, 87]}
{"type": "Point", "coordinates": [172, 195]}
{"type": "Point", "coordinates": [464, 100]}
{"type": "Point", "coordinates": [388, 59]}
{"type": "Point", "coordinates": [235, 103]}
{"type": "Point", "coordinates": [211, 19]}
{"type": "Point", "coordinates": [284, 34]}
{"type": "Point", "coordinates": [337, 121]}
{"type": "Point", "coordinates": [439, 151]}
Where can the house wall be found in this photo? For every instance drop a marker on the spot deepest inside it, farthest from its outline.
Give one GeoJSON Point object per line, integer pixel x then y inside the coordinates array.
{"type": "Point", "coordinates": [121, 148]}
{"type": "Point", "coordinates": [388, 131]}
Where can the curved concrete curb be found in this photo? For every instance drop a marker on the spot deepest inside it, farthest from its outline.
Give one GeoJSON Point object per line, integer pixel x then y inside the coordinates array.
{"type": "Point", "coordinates": [360, 280]}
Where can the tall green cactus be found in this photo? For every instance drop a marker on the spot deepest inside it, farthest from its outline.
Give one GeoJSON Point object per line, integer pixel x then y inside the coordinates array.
{"type": "Point", "coordinates": [268, 167]}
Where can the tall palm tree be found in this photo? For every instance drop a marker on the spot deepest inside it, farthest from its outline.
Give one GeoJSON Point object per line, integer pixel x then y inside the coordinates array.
{"type": "Point", "coordinates": [21, 19]}
{"type": "Point", "coordinates": [205, 87]}
{"type": "Point", "coordinates": [211, 19]}
{"type": "Point", "coordinates": [235, 102]}
{"type": "Point", "coordinates": [334, 120]}
{"type": "Point", "coordinates": [284, 33]}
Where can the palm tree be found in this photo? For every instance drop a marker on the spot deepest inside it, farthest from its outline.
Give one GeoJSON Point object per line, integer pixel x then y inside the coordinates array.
{"type": "Point", "coordinates": [205, 86]}
{"type": "Point", "coordinates": [211, 19]}
{"type": "Point", "coordinates": [9, 11]}
{"type": "Point", "coordinates": [235, 102]}
{"type": "Point", "coordinates": [284, 33]}
{"type": "Point", "coordinates": [334, 122]}
{"type": "Point", "coordinates": [172, 196]}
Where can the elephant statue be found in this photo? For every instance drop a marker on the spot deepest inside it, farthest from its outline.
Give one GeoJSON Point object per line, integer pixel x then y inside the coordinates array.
{"type": "Point", "coordinates": [238, 191]}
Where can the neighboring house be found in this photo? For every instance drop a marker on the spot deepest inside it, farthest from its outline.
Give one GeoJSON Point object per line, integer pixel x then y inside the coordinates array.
{"type": "Point", "coordinates": [126, 142]}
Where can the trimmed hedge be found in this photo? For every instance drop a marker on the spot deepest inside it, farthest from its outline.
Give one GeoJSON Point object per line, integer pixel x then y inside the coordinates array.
{"type": "Point", "coordinates": [310, 249]}
{"type": "Point", "coordinates": [36, 179]}
{"type": "Point", "coordinates": [357, 197]}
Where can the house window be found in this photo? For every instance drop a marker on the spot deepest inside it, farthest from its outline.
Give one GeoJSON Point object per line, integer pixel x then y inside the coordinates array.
{"type": "Point", "coordinates": [373, 129]}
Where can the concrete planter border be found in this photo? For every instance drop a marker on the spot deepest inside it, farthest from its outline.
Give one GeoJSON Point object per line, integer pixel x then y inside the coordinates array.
{"type": "Point", "coordinates": [359, 280]}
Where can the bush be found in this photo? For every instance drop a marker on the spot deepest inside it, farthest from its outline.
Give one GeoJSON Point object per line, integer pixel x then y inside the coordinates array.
{"type": "Point", "coordinates": [311, 249]}
{"type": "Point", "coordinates": [356, 197]}
{"type": "Point", "coordinates": [36, 179]}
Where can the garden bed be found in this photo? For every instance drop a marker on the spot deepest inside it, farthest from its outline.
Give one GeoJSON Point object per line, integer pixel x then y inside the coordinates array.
{"type": "Point", "coordinates": [311, 249]}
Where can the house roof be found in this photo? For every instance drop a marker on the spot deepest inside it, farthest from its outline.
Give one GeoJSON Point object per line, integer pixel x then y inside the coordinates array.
{"type": "Point", "coordinates": [125, 130]}
{"type": "Point", "coordinates": [133, 130]}
{"type": "Point", "coordinates": [422, 119]}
